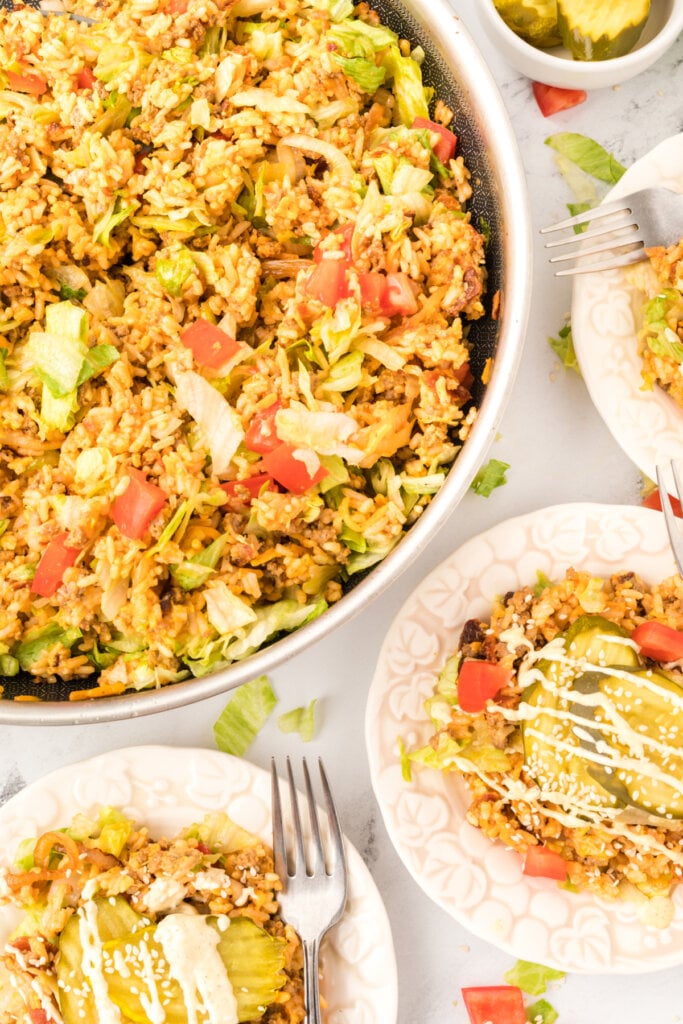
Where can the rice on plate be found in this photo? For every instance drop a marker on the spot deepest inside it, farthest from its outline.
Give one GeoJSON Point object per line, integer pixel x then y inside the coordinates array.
{"type": "Point", "coordinates": [237, 270]}
{"type": "Point", "coordinates": [118, 925]}
{"type": "Point", "coordinates": [563, 714]}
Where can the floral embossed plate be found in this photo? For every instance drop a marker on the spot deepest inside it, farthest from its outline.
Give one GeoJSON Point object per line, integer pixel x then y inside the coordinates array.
{"type": "Point", "coordinates": [168, 788]}
{"type": "Point", "coordinates": [479, 882]}
{"type": "Point", "coordinates": [606, 316]}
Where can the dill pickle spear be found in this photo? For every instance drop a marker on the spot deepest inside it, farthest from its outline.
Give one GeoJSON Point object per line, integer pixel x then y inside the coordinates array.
{"type": "Point", "coordinates": [532, 20]}
{"type": "Point", "coordinates": [601, 31]}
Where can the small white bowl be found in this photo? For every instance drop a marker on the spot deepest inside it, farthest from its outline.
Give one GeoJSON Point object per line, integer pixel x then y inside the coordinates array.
{"type": "Point", "coordinates": [557, 67]}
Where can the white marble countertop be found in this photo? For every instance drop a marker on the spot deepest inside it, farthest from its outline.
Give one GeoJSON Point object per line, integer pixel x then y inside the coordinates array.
{"type": "Point", "coordinates": [572, 458]}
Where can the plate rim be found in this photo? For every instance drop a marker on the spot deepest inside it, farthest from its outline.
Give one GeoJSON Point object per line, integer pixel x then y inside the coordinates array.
{"type": "Point", "coordinates": [637, 963]}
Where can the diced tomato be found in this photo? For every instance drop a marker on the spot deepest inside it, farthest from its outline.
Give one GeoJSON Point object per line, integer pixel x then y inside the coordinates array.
{"type": "Point", "coordinates": [243, 492]}
{"type": "Point", "coordinates": [211, 346]}
{"type": "Point", "coordinates": [444, 150]}
{"type": "Point", "coordinates": [261, 435]}
{"type": "Point", "coordinates": [390, 294]}
{"type": "Point", "coordinates": [135, 509]}
{"type": "Point", "coordinates": [57, 557]}
{"type": "Point", "coordinates": [85, 79]}
{"type": "Point", "coordinates": [177, 6]}
{"type": "Point", "coordinates": [285, 466]}
{"type": "Point", "coordinates": [344, 235]}
{"type": "Point", "coordinates": [494, 1004]}
{"type": "Point", "coordinates": [38, 1016]}
{"type": "Point", "coordinates": [479, 681]}
{"type": "Point", "coordinates": [551, 99]}
{"type": "Point", "coordinates": [373, 289]}
{"type": "Point", "coordinates": [26, 82]}
{"type": "Point", "coordinates": [541, 862]}
{"type": "Point", "coordinates": [327, 282]}
{"type": "Point", "coordinates": [654, 500]}
{"type": "Point", "coordinates": [658, 641]}
{"type": "Point", "coordinates": [400, 299]}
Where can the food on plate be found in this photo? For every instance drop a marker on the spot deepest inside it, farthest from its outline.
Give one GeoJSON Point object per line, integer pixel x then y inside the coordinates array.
{"type": "Point", "coordinates": [563, 713]}
{"type": "Point", "coordinates": [122, 927]}
{"type": "Point", "coordinates": [588, 30]}
{"type": "Point", "coordinates": [237, 272]}
{"type": "Point", "coordinates": [660, 339]}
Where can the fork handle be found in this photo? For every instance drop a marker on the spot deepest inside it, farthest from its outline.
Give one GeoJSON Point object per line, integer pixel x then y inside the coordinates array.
{"type": "Point", "coordinates": [312, 981]}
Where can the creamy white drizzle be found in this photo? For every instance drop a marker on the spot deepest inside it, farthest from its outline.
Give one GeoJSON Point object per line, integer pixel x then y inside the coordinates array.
{"type": "Point", "coordinates": [93, 966]}
{"type": "Point", "coordinates": [189, 946]}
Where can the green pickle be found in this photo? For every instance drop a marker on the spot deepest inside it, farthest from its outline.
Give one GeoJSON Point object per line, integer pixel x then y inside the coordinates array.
{"type": "Point", "coordinates": [601, 31]}
{"type": "Point", "coordinates": [532, 20]}
{"type": "Point", "coordinates": [253, 959]}
{"type": "Point", "coordinates": [639, 720]}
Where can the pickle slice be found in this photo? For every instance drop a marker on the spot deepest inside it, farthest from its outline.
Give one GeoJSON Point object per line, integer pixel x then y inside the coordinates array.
{"type": "Point", "coordinates": [532, 20]}
{"type": "Point", "coordinates": [601, 31]}
{"type": "Point", "coordinates": [646, 709]}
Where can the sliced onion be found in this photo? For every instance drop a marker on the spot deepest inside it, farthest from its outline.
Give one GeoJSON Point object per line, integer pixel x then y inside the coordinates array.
{"type": "Point", "coordinates": [331, 154]}
{"type": "Point", "coordinates": [285, 268]}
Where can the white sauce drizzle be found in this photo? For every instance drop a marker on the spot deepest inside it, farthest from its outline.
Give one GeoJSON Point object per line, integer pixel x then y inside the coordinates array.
{"type": "Point", "coordinates": [189, 945]}
{"type": "Point", "coordinates": [93, 966]}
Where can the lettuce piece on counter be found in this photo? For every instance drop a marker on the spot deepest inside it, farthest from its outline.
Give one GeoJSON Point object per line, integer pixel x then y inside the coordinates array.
{"type": "Point", "coordinates": [541, 1012]}
{"type": "Point", "coordinates": [563, 347]}
{"type": "Point", "coordinates": [489, 477]}
{"type": "Point", "coordinates": [588, 155]}
{"type": "Point", "coordinates": [301, 720]}
{"type": "Point", "coordinates": [244, 716]}
{"type": "Point", "coordinates": [532, 978]}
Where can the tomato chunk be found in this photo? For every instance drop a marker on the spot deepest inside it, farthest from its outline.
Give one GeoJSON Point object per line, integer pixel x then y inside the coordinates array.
{"type": "Point", "coordinates": [210, 345]}
{"type": "Point", "coordinates": [540, 862]}
{"type": "Point", "coordinates": [494, 1004]}
{"type": "Point", "coordinates": [135, 509]}
{"type": "Point", "coordinates": [327, 282]}
{"type": "Point", "coordinates": [479, 681]}
{"type": "Point", "coordinates": [57, 557]}
{"type": "Point", "coordinates": [26, 82]}
{"type": "Point", "coordinates": [400, 299]}
{"type": "Point", "coordinates": [85, 79]}
{"type": "Point", "coordinates": [373, 289]}
{"type": "Point", "coordinates": [444, 150]}
{"type": "Point", "coordinates": [658, 641]}
{"type": "Point", "coordinates": [38, 1016]}
{"type": "Point", "coordinates": [243, 492]}
{"type": "Point", "coordinates": [286, 465]}
{"type": "Point", "coordinates": [551, 99]}
{"type": "Point", "coordinates": [654, 500]}
{"type": "Point", "coordinates": [261, 435]}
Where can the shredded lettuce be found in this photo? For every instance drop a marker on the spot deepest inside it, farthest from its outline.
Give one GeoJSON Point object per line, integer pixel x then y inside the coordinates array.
{"type": "Point", "coordinates": [412, 98]}
{"type": "Point", "coordinates": [244, 716]}
{"type": "Point", "coordinates": [489, 477]}
{"type": "Point", "coordinates": [664, 341]}
{"type": "Point", "coordinates": [220, 833]}
{"type": "Point", "coordinates": [541, 1012]}
{"type": "Point", "coordinates": [226, 612]}
{"type": "Point", "coordinates": [110, 219]}
{"type": "Point", "coordinates": [365, 73]}
{"type": "Point", "coordinates": [563, 347]}
{"type": "Point", "coordinates": [174, 271]}
{"type": "Point", "coordinates": [220, 423]}
{"type": "Point", "coordinates": [38, 641]}
{"type": "Point", "coordinates": [532, 978]}
{"type": "Point", "coordinates": [97, 358]}
{"type": "Point", "coordinates": [301, 720]}
{"type": "Point", "coordinates": [442, 757]}
{"type": "Point", "coordinates": [542, 583]}
{"type": "Point", "coordinates": [588, 155]}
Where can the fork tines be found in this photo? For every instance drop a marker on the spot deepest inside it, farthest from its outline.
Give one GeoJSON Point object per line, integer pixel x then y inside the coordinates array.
{"type": "Point", "coordinates": [672, 524]}
{"type": "Point", "coordinates": [619, 234]}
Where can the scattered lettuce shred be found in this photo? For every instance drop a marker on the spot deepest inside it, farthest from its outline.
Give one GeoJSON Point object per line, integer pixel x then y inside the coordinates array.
{"type": "Point", "coordinates": [301, 720]}
{"type": "Point", "coordinates": [532, 978]}
{"type": "Point", "coordinates": [489, 477]}
{"type": "Point", "coordinates": [244, 716]}
{"type": "Point", "coordinates": [542, 583]}
{"type": "Point", "coordinates": [563, 347]}
{"type": "Point", "coordinates": [588, 155]}
{"type": "Point", "coordinates": [219, 832]}
{"type": "Point", "coordinates": [541, 1012]}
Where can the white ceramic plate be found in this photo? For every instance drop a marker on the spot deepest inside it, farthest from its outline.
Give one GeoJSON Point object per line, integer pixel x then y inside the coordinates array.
{"type": "Point", "coordinates": [479, 882]}
{"type": "Point", "coordinates": [170, 787]}
{"type": "Point", "coordinates": [605, 319]}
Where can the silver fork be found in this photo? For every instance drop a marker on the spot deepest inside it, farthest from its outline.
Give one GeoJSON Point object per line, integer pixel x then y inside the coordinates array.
{"type": "Point", "coordinates": [672, 525]}
{"type": "Point", "coordinates": [313, 874]}
{"type": "Point", "coordinates": [653, 216]}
